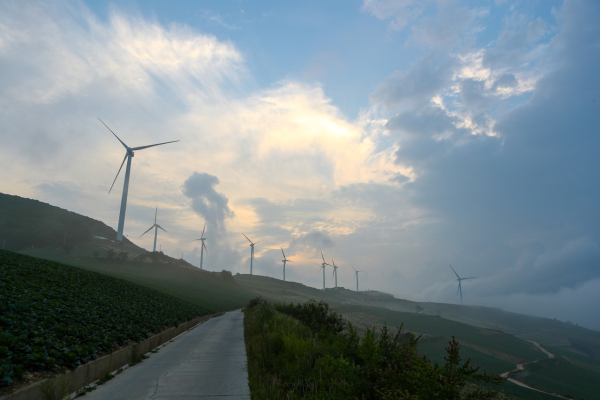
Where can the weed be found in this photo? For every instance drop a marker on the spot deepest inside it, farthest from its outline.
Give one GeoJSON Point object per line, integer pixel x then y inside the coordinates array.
{"type": "Point", "coordinates": [135, 356]}
{"type": "Point", "coordinates": [55, 389]}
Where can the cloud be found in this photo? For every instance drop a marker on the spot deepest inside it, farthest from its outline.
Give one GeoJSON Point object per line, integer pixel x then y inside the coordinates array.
{"type": "Point", "coordinates": [430, 122]}
{"type": "Point", "coordinates": [417, 86]}
{"type": "Point", "coordinates": [400, 11]}
{"type": "Point", "coordinates": [207, 202]}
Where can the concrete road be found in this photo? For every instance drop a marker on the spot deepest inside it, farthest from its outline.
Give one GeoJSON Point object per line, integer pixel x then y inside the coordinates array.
{"type": "Point", "coordinates": [206, 362]}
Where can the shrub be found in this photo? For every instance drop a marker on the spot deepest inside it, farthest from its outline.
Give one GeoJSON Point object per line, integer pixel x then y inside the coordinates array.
{"type": "Point", "coordinates": [308, 351]}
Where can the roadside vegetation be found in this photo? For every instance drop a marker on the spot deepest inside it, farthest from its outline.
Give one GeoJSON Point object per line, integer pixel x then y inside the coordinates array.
{"type": "Point", "coordinates": [308, 351]}
{"type": "Point", "coordinates": [55, 316]}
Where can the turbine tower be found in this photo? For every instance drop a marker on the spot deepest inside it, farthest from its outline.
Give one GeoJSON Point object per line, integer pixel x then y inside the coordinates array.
{"type": "Point", "coordinates": [128, 156]}
{"type": "Point", "coordinates": [459, 279]}
{"type": "Point", "coordinates": [251, 251]}
{"type": "Point", "coordinates": [335, 267]}
{"type": "Point", "coordinates": [156, 227]}
{"type": "Point", "coordinates": [202, 239]}
{"type": "Point", "coordinates": [323, 268]}
{"type": "Point", "coordinates": [355, 275]}
{"type": "Point", "coordinates": [285, 260]}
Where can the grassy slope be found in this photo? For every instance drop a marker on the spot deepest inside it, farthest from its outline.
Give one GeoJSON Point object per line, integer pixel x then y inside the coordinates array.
{"type": "Point", "coordinates": [179, 280]}
{"type": "Point", "coordinates": [468, 324]}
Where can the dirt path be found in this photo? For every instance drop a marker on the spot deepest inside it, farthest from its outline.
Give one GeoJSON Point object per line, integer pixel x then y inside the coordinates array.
{"type": "Point", "coordinates": [520, 367]}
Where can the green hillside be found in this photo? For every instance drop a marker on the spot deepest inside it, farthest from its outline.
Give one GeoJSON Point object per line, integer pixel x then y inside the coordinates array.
{"type": "Point", "coordinates": [476, 329]}
{"type": "Point", "coordinates": [55, 316]}
{"type": "Point", "coordinates": [26, 222]}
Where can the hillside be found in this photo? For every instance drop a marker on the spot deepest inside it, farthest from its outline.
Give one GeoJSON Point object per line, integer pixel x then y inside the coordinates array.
{"type": "Point", "coordinates": [55, 317]}
{"type": "Point", "coordinates": [25, 223]}
{"type": "Point", "coordinates": [574, 373]}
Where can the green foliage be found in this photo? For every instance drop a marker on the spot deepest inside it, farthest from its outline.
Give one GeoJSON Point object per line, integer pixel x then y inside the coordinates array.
{"type": "Point", "coordinates": [57, 315]}
{"type": "Point", "coordinates": [123, 256]}
{"type": "Point", "coordinates": [110, 254]}
{"type": "Point", "coordinates": [308, 351]}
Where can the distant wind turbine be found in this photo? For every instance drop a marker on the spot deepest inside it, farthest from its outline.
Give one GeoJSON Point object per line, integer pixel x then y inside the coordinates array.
{"type": "Point", "coordinates": [156, 228]}
{"type": "Point", "coordinates": [202, 239]}
{"type": "Point", "coordinates": [251, 251]}
{"type": "Point", "coordinates": [335, 267]}
{"type": "Point", "coordinates": [459, 279]}
{"type": "Point", "coordinates": [355, 275]}
{"type": "Point", "coordinates": [323, 267]}
{"type": "Point", "coordinates": [128, 157]}
{"type": "Point", "coordinates": [285, 260]}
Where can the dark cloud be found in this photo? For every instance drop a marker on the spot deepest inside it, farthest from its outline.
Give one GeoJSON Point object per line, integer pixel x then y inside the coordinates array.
{"type": "Point", "coordinates": [415, 87]}
{"type": "Point", "coordinates": [315, 239]}
{"type": "Point", "coordinates": [521, 207]}
{"type": "Point", "coordinates": [430, 122]}
{"type": "Point", "coordinates": [474, 95]}
{"type": "Point", "coordinates": [505, 81]}
{"type": "Point", "coordinates": [207, 202]}
{"type": "Point", "coordinates": [514, 43]}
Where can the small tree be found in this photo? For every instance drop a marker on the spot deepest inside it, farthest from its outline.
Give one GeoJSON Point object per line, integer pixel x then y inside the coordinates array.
{"type": "Point", "coordinates": [123, 256]}
{"type": "Point", "coordinates": [110, 254]}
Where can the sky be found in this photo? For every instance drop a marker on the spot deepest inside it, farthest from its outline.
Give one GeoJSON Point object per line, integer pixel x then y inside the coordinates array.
{"type": "Point", "coordinates": [395, 136]}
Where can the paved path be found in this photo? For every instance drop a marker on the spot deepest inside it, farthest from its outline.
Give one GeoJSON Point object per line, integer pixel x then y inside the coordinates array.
{"type": "Point", "coordinates": [207, 362]}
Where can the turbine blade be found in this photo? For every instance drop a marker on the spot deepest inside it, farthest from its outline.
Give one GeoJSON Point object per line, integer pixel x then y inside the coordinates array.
{"type": "Point", "coordinates": [152, 145]}
{"type": "Point", "coordinates": [322, 256]}
{"type": "Point", "coordinates": [471, 277]}
{"type": "Point", "coordinates": [454, 271]}
{"type": "Point", "coordinates": [282, 252]}
{"type": "Point", "coordinates": [147, 231]}
{"type": "Point", "coordinates": [352, 267]}
{"type": "Point", "coordinates": [203, 229]}
{"type": "Point", "coordinates": [457, 289]}
{"type": "Point", "coordinates": [160, 227]}
{"type": "Point", "coordinates": [204, 244]}
{"type": "Point", "coordinates": [258, 242]}
{"type": "Point", "coordinates": [113, 184]}
{"type": "Point", "coordinates": [247, 238]}
{"type": "Point", "coordinates": [124, 145]}
{"type": "Point", "coordinates": [155, 214]}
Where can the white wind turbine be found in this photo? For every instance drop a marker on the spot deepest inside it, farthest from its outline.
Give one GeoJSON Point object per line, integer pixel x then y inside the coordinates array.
{"type": "Point", "coordinates": [202, 239]}
{"type": "Point", "coordinates": [323, 268]}
{"type": "Point", "coordinates": [355, 275]}
{"type": "Point", "coordinates": [156, 228]}
{"type": "Point", "coordinates": [335, 267]}
{"type": "Point", "coordinates": [128, 157]}
{"type": "Point", "coordinates": [285, 260]}
{"type": "Point", "coordinates": [459, 279]}
{"type": "Point", "coordinates": [251, 251]}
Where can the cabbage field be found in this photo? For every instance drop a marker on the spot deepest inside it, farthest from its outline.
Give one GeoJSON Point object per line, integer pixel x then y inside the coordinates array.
{"type": "Point", "coordinates": [54, 315]}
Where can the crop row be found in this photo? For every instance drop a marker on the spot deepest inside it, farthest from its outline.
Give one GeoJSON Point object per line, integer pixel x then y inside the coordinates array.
{"type": "Point", "coordinates": [56, 315]}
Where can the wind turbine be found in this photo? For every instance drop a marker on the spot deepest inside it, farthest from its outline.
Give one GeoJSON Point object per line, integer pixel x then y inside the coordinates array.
{"type": "Point", "coordinates": [459, 285]}
{"type": "Point", "coordinates": [202, 239]}
{"type": "Point", "coordinates": [156, 227]}
{"type": "Point", "coordinates": [355, 275]}
{"type": "Point", "coordinates": [334, 272]}
{"type": "Point", "coordinates": [128, 156]}
{"type": "Point", "coordinates": [323, 267]}
{"type": "Point", "coordinates": [251, 251]}
{"type": "Point", "coordinates": [285, 260]}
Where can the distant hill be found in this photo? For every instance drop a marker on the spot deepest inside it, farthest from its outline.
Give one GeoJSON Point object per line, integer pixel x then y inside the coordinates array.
{"type": "Point", "coordinates": [27, 222]}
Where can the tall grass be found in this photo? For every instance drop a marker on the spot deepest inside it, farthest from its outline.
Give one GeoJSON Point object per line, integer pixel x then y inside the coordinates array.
{"type": "Point", "coordinates": [307, 351]}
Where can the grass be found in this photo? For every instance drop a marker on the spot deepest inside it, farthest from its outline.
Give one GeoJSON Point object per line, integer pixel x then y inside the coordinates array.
{"type": "Point", "coordinates": [308, 351]}
{"type": "Point", "coordinates": [434, 349]}
{"type": "Point", "coordinates": [53, 315]}
{"type": "Point", "coordinates": [215, 290]}
{"type": "Point", "coordinates": [559, 375]}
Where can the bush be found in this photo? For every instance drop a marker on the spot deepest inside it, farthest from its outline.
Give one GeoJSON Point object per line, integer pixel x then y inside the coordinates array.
{"type": "Point", "coordinates": [308, 351]}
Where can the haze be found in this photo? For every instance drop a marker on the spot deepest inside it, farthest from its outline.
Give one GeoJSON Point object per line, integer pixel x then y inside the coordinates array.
{"type": "Point", "coordinates": [399, 136]}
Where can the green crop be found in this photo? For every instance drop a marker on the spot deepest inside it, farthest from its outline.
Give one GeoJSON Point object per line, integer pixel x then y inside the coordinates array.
{"type": "Point", "coordinates": [55, 315]}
